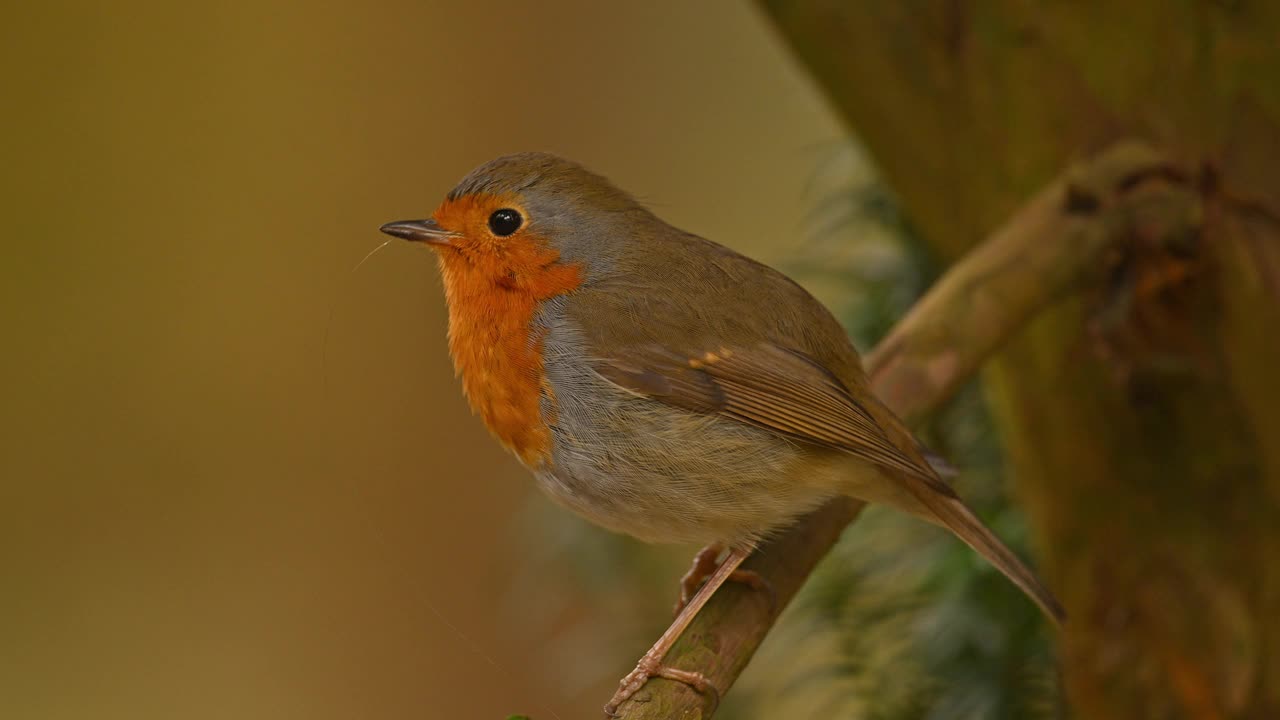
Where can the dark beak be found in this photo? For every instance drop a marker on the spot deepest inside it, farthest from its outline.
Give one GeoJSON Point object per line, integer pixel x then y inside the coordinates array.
{"type": "Point", "coordinates": [426, 231]}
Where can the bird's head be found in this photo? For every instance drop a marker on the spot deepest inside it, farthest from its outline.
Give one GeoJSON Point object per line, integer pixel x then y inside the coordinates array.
{"type": "Point", "coordinates": [524, 221]}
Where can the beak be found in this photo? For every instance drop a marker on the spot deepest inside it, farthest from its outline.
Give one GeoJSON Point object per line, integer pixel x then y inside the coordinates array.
{"type": "Point", "coordinates": [426, 231]}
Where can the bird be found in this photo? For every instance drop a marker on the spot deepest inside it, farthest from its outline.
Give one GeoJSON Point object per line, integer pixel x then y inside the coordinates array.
{"type": "Point", "coordinates": [665, 386]}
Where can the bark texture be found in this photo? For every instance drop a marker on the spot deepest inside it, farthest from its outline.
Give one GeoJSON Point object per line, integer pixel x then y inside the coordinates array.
{"type": "Point", "coordinates": [1141, 416]}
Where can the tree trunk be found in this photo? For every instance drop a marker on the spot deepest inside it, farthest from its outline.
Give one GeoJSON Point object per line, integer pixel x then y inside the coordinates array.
{"type": "Point", "coordinates": [1142, 417]}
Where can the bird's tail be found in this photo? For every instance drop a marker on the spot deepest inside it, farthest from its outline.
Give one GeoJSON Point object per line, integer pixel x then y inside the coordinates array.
{"type": "Point", "coordinates": [951, 513]}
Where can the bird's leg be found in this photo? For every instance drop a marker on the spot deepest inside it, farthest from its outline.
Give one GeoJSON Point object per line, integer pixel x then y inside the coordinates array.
{"type": "Point", "coordinates": [704, 564]}
{"type": "Point", "coordinates": [650, 664]}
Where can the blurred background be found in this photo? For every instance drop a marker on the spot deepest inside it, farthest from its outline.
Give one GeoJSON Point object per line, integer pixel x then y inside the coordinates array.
{"type": "Point", "coordinates": [237, 477]}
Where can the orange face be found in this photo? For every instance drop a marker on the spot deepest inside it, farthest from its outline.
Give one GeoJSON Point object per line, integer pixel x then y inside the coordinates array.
{"type": "Point", "coordinates": [496, 272]}
{"type": "Point", "coordinates": [497, 241]}
{"type": "Point", "coordinates": [470, 216]}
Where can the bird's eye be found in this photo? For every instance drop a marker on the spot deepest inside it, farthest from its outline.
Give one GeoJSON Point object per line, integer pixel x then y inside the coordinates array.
{"type": "Point", "coordinates": [505, 221]}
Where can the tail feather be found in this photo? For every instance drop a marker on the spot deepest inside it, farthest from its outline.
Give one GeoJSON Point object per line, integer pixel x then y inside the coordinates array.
{"type": "Point", "coordinates": [954, 515]}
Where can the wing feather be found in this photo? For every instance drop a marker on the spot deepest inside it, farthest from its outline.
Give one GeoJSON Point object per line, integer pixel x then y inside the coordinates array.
{"type": "Point", "coordinates": [775, 388]}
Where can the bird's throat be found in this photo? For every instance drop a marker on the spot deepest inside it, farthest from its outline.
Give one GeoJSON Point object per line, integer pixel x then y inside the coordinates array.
{"type": "Point", "coordinates": [496, 350]}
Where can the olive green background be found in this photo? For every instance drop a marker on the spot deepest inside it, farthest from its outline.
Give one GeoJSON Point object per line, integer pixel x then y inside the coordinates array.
{"type": "Point", "coordinates": [237, 479]}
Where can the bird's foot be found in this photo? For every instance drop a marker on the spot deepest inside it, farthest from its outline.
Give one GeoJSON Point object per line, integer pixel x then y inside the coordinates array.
{"type": "Point", "coordinates": [705, 563]}
{"type": "Point", "coordinates": [650, 667]}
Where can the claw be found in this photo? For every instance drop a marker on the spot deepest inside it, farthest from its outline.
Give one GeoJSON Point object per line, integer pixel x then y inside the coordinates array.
{"type": "Point", "coordinates": [645, 670]}
{"type": "Point", "coordinates": [695, 680]}
{"type": "Point", "coordinates": [650, 664]}
{"type": "Point", "coordinates": [704, 564]}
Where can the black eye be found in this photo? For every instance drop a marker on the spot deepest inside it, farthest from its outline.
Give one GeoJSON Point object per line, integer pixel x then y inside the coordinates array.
{"type": "Point", "coordinates": [504, 222]}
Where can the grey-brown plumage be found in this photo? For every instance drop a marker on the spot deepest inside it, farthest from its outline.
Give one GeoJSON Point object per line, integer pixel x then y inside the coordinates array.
{"type": "Point", "coordinates": [693, 394]}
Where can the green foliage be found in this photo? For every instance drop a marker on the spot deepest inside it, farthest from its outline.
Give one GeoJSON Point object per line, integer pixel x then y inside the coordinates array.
{"type": "Point", "coordinates": [863, 257]}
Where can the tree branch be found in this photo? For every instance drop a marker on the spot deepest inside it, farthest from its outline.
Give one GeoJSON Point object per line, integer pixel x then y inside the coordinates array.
{"type": "Point", "coordinates": [1037, 256]}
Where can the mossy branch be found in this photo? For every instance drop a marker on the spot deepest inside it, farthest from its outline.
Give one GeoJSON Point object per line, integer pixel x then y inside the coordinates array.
{"type": "Point", "coordinates": [1036, 257]}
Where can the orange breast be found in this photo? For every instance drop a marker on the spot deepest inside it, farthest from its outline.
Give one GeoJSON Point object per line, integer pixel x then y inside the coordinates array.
{"type": "Point", "coordinates": [495, 349]}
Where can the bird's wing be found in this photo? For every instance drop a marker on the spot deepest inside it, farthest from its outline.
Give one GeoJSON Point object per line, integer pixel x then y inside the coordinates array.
{"type": "Point", "coordinates": [775, 388]}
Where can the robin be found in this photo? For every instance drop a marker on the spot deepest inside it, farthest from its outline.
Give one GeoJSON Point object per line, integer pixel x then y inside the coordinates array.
{"type": "Point", "coordinates": [662, 385]}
